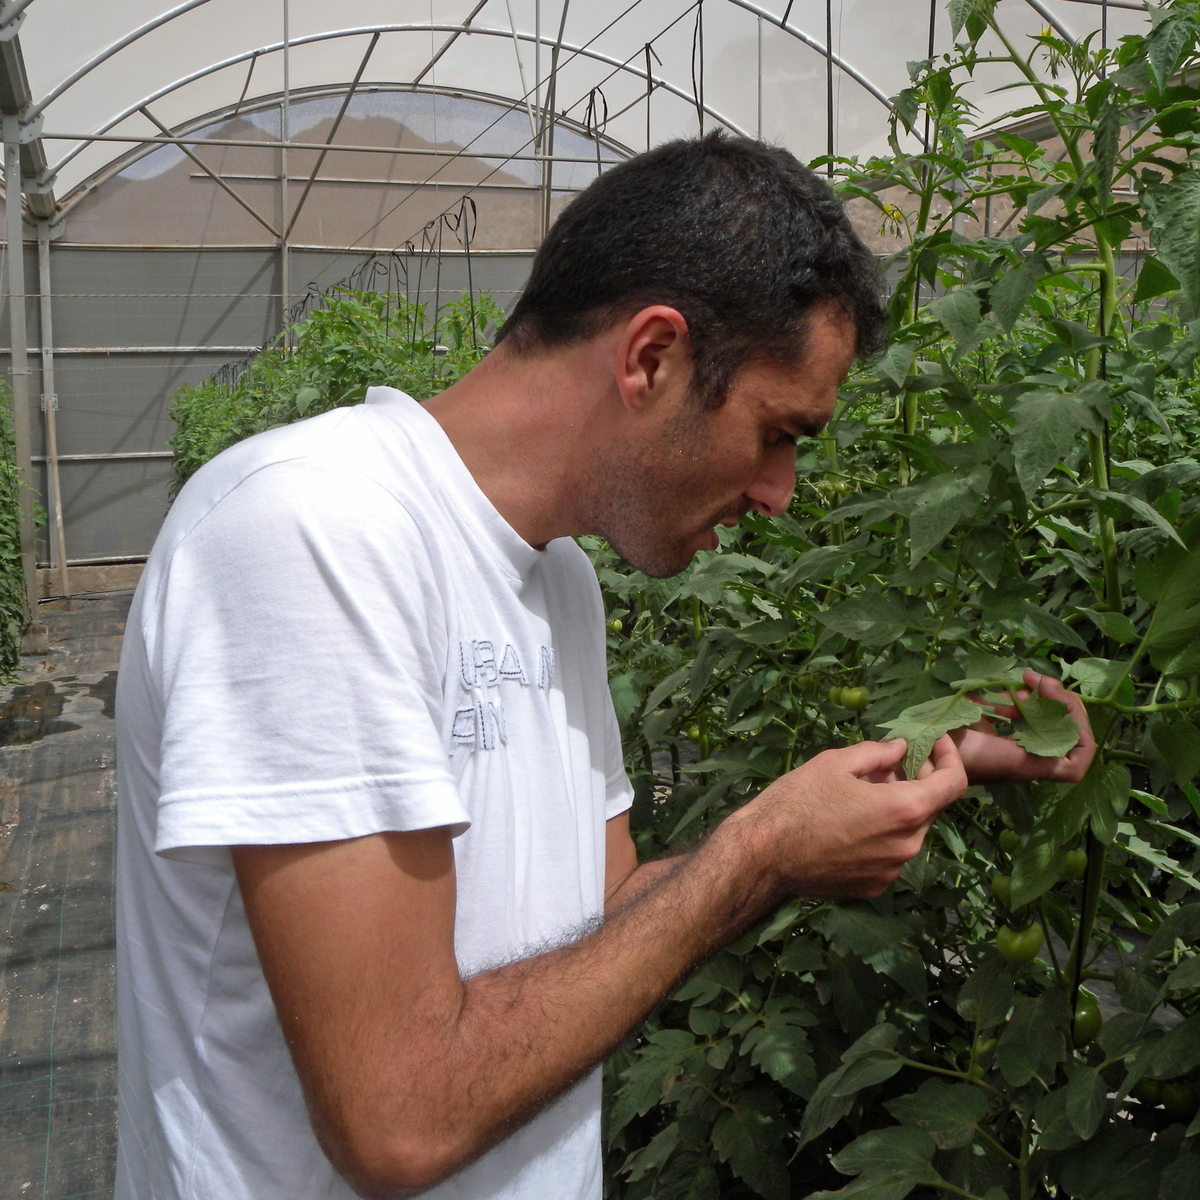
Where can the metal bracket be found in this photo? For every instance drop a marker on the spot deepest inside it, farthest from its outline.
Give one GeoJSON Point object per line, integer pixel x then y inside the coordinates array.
{"type": "Point", "coordinates": [25, 131]}
{"type": "Point", "coordinates": [43, 185]}
{"type": "Point", "coordinates": [50, 398]}
{"type": "Point", "coordinates": [9, 31]}
{"type": "Point", "coordinates": [31, 130]}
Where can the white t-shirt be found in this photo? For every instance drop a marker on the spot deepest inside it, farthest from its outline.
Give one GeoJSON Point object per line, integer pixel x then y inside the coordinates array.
{"type": "Point", "coordinates": [337, 634]}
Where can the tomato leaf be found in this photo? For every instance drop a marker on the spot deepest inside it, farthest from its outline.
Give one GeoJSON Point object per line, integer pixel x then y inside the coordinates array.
{"type": "Point", "coordinates": [949, 1113]}
{"type": "Point", "coordinates": [748, 1135]}
{"type": "Point", "coordinates": [922, 725]}
{"type": "Point", "coordinates": [1055, 1131]}
{"type": "Point", "coordinates": [1113, 625]}
{"type": "Point", "coordinates": [1047, 423]}
{"type": "Point", "coordinates": [1032, 1041]}
{"type": "Point", "coordinates": [886, 943]}
{"type": "Point", "coordinates": [1178, 741]}
{"type": "Point", "coordinates": [889, 1162]}
{"type": "Point", "coordinates": [943, 503]}
{"type": "Point", "coordinates": [1087, 1096]}
{"type": "Point", "coordinates": [1047, 728]}
{"type": "Point", "coordinates": [876, 1059]}
{"type": "Point", "coordinates": [1033, 871]}
{"type": "Point", "coordinates": [986, 998]}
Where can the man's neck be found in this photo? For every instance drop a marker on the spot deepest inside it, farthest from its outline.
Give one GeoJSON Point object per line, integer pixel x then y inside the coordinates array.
{"type": "Point", "coordinates": [526, 426]}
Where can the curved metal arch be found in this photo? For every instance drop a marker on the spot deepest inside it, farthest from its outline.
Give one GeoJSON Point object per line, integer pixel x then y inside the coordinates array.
{"type": "Point", "coordinates": [188, 5]}
{"type": "Point", "coordinates": [813, 44]}
{"type": "Point", "coordinates": [117, 46]}
{"type": "Point", "coordinates": [365, 30]}
{"type": "Point", "coordinates": [316, 91]}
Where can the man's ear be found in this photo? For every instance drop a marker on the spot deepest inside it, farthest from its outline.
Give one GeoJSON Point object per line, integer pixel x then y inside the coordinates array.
{"type": "Point", "coordinates": [653, 356]}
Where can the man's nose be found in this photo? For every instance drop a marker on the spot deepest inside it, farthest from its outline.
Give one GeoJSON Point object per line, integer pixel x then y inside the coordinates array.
{"type": "Point", "coordinates": [771, 491]}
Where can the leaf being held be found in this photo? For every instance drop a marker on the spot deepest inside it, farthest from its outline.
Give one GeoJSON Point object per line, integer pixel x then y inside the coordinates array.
{"type": "Point", "coordinates": [1047, 728]}
{"type": "Point", "coordinates": [923, 724]}
{"type": "Point", "coordinates": [985, 670]}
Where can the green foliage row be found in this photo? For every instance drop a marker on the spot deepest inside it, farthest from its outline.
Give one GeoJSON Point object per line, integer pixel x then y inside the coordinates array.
{"type": "Point", "coordinates": [358, 340]}
{"type": "Point", "coordinates": [1016, 482]}
{"type": "Point", "coordinates": [12, 578]}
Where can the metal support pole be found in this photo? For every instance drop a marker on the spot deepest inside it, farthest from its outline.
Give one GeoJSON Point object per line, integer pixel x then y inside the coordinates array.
{"type": "Point", "coordinates": [829, 86]}
{"type": "Point", "coordinates": [33, 638]}
{"type": "Point", "coordinates": [548, 117]}
{"type": "Point", "coordinates": [760, 85]}
{"type": "Point", "coordinates": [537, 72]}
{"type": "Point", "coordinates": [285, 282]}
{"type": "Point", "coordinates": [337, 121]}
{"type": "Point", "coordinates": [209, 172]}
{"type": "Point", "coordinates": [58, 545]}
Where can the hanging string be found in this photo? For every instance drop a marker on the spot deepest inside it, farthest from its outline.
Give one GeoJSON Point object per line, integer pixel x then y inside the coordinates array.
{"type": "Point", "coordinates": [462, 224]}
{"type": "Point", "coordinates": [698, 64]}
{"type": "Point", "coordinates": [595, 120]}
{"type": "Point", "coordinates": [649, 87]}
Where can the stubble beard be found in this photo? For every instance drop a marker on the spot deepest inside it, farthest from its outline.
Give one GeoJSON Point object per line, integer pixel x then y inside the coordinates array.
{"type": "Point", "coordinates": [635, 499]}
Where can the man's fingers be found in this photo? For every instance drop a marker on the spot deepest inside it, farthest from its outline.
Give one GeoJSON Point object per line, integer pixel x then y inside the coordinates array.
{"type": "Point", "coordinates": [863, 758]}
{"type": "Point", "coordinates": [945, 782]}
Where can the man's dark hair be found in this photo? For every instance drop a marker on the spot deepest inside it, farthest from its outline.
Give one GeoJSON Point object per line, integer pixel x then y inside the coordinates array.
{"type": "Point", "coordinates": [736, 235]}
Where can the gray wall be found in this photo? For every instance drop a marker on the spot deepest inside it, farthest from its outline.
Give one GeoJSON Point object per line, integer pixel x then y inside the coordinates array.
{"type": "Point", "coordinates": [118, 315]}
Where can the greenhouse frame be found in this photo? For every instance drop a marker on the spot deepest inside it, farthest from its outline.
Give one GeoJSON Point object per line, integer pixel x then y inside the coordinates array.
{"type": "Point", "coordinates": [222, 218]}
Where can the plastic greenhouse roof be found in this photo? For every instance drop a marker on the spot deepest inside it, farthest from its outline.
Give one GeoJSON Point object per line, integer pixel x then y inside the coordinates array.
{"type": "Point", "coordinates": [757, 68]}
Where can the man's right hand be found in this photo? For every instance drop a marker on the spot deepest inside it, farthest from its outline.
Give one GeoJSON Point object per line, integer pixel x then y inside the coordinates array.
{"type": "Point", "coordinates": [846, 822]}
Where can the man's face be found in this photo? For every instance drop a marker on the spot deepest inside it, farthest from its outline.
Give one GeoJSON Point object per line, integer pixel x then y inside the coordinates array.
{"type": "Point", "coordinates": [697, 468]}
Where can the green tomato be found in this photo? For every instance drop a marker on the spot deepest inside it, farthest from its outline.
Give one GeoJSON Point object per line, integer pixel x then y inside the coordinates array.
{"type": "Point", "coordinates": [1180, 1101]}
{"type": "Point", "coordinates": [1009, 840]}
{"type": "Point", "coordinates": [1073, 864]}
{"type": "Point", "coordinates": [1002, 889]}
{"type": "Point", "coordinates": [1148, 1092]}
{"type": "Point", "coordinates": [692, 733]}
{"type": "Point", "coordinates": [835, 695]}
{"type": "Point", "coordinates": [855, 698]}
{"type": "Point", "coordinates": [615, 626]}
{"type": "Point", "coordinates": [1087, 1019]}
{"type": "Point", "coordinates": [1019, 945]}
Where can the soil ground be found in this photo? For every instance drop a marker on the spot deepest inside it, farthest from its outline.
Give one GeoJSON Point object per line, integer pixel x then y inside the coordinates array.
{"type": "Point", "coordinates": [58, 1077]}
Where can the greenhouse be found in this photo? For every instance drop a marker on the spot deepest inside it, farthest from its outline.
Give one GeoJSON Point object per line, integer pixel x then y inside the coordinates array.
{"type": "Point", "coordinates": [227, 220]}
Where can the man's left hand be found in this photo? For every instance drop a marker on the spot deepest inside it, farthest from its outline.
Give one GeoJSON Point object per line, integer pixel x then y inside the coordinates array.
{"type": "Point", "coordinates": [988, 756]}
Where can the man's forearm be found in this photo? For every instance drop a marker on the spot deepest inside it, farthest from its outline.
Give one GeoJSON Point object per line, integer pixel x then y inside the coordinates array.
{"type": "Point", "coordinates": [411, 1073]}
{"type": "Point", "coordinates": [522, 1033]}
{"type": "Point", "coordinates": [638, 882]}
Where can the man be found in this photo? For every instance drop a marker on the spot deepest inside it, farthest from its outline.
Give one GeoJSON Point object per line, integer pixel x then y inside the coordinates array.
{"type": "Point", "coordinates": [372, 802]}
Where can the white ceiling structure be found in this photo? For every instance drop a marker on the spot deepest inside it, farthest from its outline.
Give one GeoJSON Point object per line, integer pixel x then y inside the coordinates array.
{"type": "Point", "coordinates": [754, 66]}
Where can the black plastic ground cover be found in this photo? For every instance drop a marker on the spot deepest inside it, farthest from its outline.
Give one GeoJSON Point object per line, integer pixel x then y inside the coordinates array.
{"type": "Point", "coordinates": [57, 824]}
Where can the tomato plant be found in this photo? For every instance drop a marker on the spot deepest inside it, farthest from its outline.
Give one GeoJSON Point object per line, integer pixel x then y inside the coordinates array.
{"type": "Point", "coordinates": [1016, 483]}
{"type": "Point", "coordinates": [355, 341]}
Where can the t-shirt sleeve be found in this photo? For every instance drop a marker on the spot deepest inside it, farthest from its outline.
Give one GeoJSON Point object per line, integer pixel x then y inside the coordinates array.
{"type": "Point", "coordinates": [298, 645]}
{"type": "Point", "coordinates": [618, 791]}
